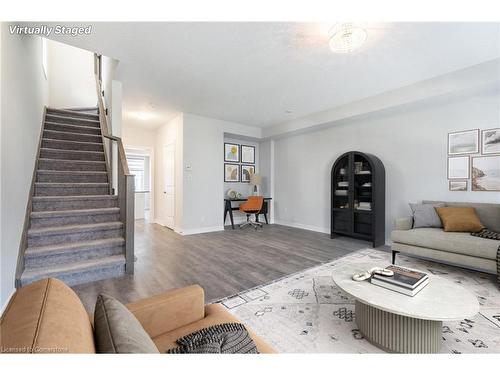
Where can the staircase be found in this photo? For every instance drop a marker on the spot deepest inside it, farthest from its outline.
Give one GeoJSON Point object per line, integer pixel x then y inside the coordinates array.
{"type": "Point", "coordinates": [74, 233]}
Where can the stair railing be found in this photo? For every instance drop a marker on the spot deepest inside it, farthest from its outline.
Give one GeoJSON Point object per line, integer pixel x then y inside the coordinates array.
{"type": "Point", "coordinates": [125, 180]}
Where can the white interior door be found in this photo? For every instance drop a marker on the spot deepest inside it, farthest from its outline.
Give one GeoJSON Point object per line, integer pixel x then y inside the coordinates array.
{"type": "Point", "coordinates": [169, 183]}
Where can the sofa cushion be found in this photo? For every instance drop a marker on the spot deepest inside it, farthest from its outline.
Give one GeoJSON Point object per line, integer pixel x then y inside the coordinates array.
{"type": "Point", "coordinates": [425, 215]}
{"type": "Point", "coordinates": [117, 330]}
{"type": "Point", "coordinates": [453, 242]}
{"type": "Point", "coordinates": [459, 219]}
{"type": "Point", "coordinates": [214, 314]}
{"type": "Point", "coordinates": [488, 213]}
{"type": "Point", "coordinates": [46, 317]}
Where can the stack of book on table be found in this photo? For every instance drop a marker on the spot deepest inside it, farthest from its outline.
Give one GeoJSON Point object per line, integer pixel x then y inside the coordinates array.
{"type": "Point", "coordinates": [405, 280]}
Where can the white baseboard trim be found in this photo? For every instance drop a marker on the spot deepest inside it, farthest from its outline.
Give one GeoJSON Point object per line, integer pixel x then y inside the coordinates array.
{"type": "Point", "coordinates": [302, 226]}
{"type": "Point", "coordinates": [158, 221]}
{"type": "Point", "coordinates": [7, 302]}
{"type": "Point", "coordinates": [188, 232]}
{"type": "Point", "coordinates": [163, 223]}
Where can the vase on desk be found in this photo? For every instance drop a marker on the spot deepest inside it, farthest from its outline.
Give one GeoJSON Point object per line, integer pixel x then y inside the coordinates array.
{"type": "Point", "coordinates": [255, 180]}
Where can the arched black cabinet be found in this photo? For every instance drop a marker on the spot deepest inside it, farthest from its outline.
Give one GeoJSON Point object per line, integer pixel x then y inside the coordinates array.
{"type": "Point", "coordinates": [358, 197]}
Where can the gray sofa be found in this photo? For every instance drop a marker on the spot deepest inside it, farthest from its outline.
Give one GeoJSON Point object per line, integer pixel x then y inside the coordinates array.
{"type": "Point", "coordinates": [460, 249]}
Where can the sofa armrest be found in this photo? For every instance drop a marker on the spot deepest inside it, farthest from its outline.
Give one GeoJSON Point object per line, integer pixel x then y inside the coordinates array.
{"type": "Point", "coordinates": [405, 223]}
{"type": "Point", "coordinates": [170, 310]}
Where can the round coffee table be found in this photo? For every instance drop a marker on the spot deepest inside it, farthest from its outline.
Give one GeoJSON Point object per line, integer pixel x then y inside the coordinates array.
{"type": "Point", "coordinates": [398, 323]}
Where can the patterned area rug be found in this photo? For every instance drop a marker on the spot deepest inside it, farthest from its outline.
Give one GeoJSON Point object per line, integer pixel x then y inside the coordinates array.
{"type": "Point", "coordinates": [307, 313]}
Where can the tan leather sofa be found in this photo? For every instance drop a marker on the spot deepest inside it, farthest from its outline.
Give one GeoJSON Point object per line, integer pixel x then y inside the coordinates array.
{"type": "Point", "coordinates": [48, 317]}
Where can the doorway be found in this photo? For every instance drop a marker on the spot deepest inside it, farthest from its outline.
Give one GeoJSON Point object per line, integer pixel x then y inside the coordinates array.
{"type": "Point", "coordinates": [139, 162]}
{"type": "Point", "coordinates": [169, 184]}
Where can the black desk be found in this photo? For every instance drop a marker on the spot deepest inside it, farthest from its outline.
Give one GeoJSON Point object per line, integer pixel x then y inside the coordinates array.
{"type": "Point", "coordinates": [228, 207]}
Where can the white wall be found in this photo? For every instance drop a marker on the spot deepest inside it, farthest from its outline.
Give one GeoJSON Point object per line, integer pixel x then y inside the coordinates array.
{"type": "Point", "coordinates": [136, 136]}
{"type": "Point", "coordinates": [71, 76]}
{"type": "Point", "coordinates": [199, 174]}
{"type": "Point", "coordinates": [203, 174]}
{"type": "Point", "coordinates": [411, 141]}
{"type": "Point", "coordinates": [171, 132]}
{"type": "Point", "coordinates": [266, 170]}
{"type": "Point", "coordinates": [24, 93]}
{"type": "Point", "coordinates": [108, 68]}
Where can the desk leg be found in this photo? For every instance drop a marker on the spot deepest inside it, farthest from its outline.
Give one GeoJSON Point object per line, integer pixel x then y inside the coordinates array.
{"type": "Point", "coordinates": [228, 208]}
{"type": "Point", "coordinates": [265, 217]}
{"type": "Point", "coordinates": [231, 216]}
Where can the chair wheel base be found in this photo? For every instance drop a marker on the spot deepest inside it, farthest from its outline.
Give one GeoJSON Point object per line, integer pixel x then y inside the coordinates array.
{"type": "Point", "coordinates": [253, 224]}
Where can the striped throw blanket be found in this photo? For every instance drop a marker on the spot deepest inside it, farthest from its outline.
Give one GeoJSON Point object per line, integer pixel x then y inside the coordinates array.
{"type": "Point", "coordinates": [226, 338]}
{"type": "Point", "coordinates": [489, 234]}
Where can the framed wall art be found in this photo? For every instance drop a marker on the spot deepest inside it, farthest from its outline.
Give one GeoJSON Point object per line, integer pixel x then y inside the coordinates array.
{"type": "Point", "coordinates": [246, 172]}
{"type": "Point", "coordinates": [231, 172]}
{"type": "Point", "coordinates": [486, 173]}
{"type": "Point", "coordinates": [458, 185]}
{"type": "Point", "coordinates": [490, 141]}
{"type": "Point", "coordinates": [458, 168]}
{"type": "Point", "coordinates": [247, 154]}
{"type": "Point", "coordinates": [463, 142]}
{"type": "Point", "coordinates": [232, 152]}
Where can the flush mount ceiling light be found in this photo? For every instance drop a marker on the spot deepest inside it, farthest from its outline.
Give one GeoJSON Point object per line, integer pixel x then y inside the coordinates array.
{"type": "Point", "coordinates": [346, 37]}
{"type": "Point", "coordinates": [142, 115]}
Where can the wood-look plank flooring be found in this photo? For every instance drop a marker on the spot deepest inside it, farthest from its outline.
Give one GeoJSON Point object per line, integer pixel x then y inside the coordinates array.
{"type": "Point", "coordinates": [223, 263]}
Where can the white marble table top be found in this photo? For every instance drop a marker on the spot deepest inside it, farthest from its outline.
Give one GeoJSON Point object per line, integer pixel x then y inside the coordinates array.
{"type": "Point", "coordinates": [440, 300]}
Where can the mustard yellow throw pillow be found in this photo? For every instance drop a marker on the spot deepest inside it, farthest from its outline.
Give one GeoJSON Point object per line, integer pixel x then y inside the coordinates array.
{"type": "Point", "coordinates": [459, 219]}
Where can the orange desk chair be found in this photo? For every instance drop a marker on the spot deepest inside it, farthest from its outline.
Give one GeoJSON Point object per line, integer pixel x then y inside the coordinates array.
{"type": "Point", "coordinates": [252, 206]}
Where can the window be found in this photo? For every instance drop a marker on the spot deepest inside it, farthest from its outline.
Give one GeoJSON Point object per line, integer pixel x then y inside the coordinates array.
{"type": "Point", "coordinates": [45, 58]}
{"type": "Point", "coordinates": [136, 165]}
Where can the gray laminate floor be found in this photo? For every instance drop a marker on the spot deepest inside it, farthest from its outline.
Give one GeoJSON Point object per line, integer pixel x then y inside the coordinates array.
{"type": "Point", "coordinates": [223, 263]}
